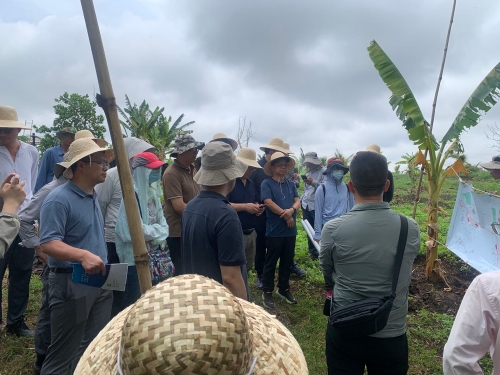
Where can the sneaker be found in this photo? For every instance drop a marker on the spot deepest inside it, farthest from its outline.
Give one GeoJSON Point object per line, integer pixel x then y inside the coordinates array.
{"type": "Point", "coordinates": [268, 300]}
{"type": "Point", "coordinates": [287, 296]}
{"type": "Point", "coordinates": [296, 270]}
{"type": "Point", "coordinates": [20, 330]}
{"type": "Point", "coordinates": [258, 283]}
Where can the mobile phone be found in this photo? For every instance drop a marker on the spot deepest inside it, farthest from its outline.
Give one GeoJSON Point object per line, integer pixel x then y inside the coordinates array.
{"type": "Point", "coordinates": [304, 177]}
{"type": "Point", "coordinates": [262, 205]}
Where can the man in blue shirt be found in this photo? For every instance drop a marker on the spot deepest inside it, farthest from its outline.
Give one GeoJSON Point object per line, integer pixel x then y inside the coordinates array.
{"type": "Point", "coordinates": [282, 202]}
{"type": "Point", "coordinates": [72, 230]}
{"type": "Point", "coordinates": [54, 155]}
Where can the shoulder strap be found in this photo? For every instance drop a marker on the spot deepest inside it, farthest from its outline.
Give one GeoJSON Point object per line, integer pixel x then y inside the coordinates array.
{"type": "Point", "coordinates": [403, 236]}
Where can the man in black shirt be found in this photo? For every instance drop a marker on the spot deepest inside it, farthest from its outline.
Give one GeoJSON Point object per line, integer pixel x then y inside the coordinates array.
{"type": "Point", "coordinates": [390, 192]}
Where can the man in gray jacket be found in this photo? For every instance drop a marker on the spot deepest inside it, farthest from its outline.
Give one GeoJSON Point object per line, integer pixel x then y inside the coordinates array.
{"type": "Point", "coordinates": [357, 254]}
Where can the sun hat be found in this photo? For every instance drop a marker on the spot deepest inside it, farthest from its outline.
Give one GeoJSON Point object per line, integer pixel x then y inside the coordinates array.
{"type": "Point", "coordinates": [374, 148]}
{"type": "Point", "coordinates": [278, 155]}
{"type": "Point", "coordinates": [191, 324]}
{"type": "Point", "coordinates": [78, 150]}
{"type": "Point", "coordinates": [146, 159]}
{"type": "Point", "coordinates": [66, 130]}
{"type": "Point", "coordinates": [88, 134]}
{"type": "Point", "coordinates": [9, 119]}
{"type": "Point", "coordinates": [135, 145]}
{"type": "Point", "coordinates": [219, 165]}
{"type": "Point", "coordinates": [223, 138]}
{"type": "Point", "coordinates": [493, 164]}
{"type": "Point", "coordinates": [275, 144]}
{"type": "Point", "coordinates": [335, 162]}
{"type": "Point", "coordinates": [286, 146]}
{"type": "Point", "coordinates": [184, 143]}
{"type": "Point", "coordinates": [312, 157]}
{"type": "Point", "coordinates": [248, 156]}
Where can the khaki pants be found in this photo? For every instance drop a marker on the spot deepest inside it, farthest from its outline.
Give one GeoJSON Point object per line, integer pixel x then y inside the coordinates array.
{"type": "Point", "coordinates": [250, 245]}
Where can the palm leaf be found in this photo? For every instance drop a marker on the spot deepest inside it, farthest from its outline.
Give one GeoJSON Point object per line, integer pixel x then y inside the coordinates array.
{"type": "Point", "coordinates": [484, 97]}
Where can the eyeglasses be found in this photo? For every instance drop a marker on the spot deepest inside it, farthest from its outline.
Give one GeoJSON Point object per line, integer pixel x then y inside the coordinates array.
{"type": "Point", "coordinates": [103, 163]}
{"type": "Point", "coordinates": [281, 165]}
{"type": "Point", "coordinates": [6, 130]}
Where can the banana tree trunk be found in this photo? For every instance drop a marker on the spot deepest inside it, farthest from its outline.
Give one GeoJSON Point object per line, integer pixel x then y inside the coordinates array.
{"type": "Point", "coordinates": [431, 245]}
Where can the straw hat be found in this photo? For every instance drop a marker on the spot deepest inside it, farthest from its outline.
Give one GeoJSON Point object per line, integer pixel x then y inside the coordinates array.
{"type": "Point", "coordinates": [312, 157]}
{"type": "Point", "coordinates": [88, 134]}
{"type": "Point", "coordinates": [335, 162]}
{"type": "Point", "coordinates": [78, 150]}
{"type": "Point", "coordinates": [223, 138]}
{"type": "Point", "coordinates": [135, 145]}
{"type": "Point", "coordinates": [248, 156]}
{"type": "Point", "coordinates": [219, 165]}
{"type": "Point", "coordinates": [493, 164]}
{"type": "Point", "coordinates": [277, 155]}
{"type": "Point", "coordinates": [9, 119]}
{"type": "Point", "coordinates": [191, 324]}
{"type": "Point", "coordinates": [275, 144]}
{"type": "Point", "coordinates": [374, 148]}
{"type": "Point", "coordinates": [286, 146]}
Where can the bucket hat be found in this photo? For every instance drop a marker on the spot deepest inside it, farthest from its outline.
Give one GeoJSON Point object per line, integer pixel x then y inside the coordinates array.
{"type": "Point", "coordinates": [335, 162]}
{"type": "Point", "coordinates": [78, 150]}
{"type": "Point", "coordinates": [66, 130]}
{"type": "Point", "coordinates": [374, 148]}
{"type": "Point", "coordinates": [219, 165]}
{"type": "Point", "coordinates": [223, 138]}
{"type": "Point", "coordinates": [9, 119]}
{"type": "Point", "coordinates": [147, 159]}
{"type": "Point", "coordinates": [312, 157]}
{"type": "Point", "coordinates": [184, 143]}
{"type": "Point", "coordinates": [135, 145]}
{"type": "Point", "coordinates": [248, 156]}
{"type": "Point", "coordinates": [278, 155]}
{"type": "Point", "coordinates": [191, 324]}
{"type": "Point", "coordinates": [493, 164]}
{"type": "Point", "coordinates": [88, 134]}
{"type": "Point", "coordinates": [286, 146]}
{"type": "Point", "coordinates": [275, 144]}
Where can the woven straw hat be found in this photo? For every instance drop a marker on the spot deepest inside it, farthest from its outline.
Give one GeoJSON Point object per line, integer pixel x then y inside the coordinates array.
{"type": "Point", "coordinates": [374, 148]}
{"type": "Point", "coordinates": [191, 324]}
{"type": "Point", "coordinates": [9, 119]}
{"type": "Point", "coordinates": [248, 156]}
{"type": "Point", "coordinates": [275, 144]}
{"type": "Point", "coordinates": [277, 155]}
{"type": "Point", "coordinates": [223, 138]}
{"type": "Point", "coordinates": [219, 165]}
{"type": "Point", "coordinates": [78, 150]}
{"type": "Point", "coordinates": [286, 146]}
{"type": "Point", "coordinates": [88, 134]}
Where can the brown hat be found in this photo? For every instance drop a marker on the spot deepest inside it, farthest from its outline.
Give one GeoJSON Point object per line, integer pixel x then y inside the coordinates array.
{"type": "Point", "coordinates": [374, 148]}
{"type": "Point", "coordinates": [8, 118]}
{"type": "Point", "coordinates": [88, 134]}
{"type": "Point", "coordinates": [248, 156]}
{"type": "Point", "coordinates": [275, 144]}
{"type": "Point", "coordinates": [223, 138]}
{"type": "Point", "coordinates": [278, 155]}
{"type": "Point", "coordinates": [286, 146]}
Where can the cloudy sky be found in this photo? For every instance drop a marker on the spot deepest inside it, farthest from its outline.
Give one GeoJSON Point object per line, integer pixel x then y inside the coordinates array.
{"type": "Point", "coordinates": [297, 70]}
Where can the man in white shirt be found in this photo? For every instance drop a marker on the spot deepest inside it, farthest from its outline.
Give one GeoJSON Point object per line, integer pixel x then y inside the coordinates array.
{"type": "Point", "coordinates": [20, 158]}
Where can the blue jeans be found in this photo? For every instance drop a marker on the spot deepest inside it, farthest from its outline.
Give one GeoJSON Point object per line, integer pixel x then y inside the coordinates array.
{"type": "Point", "coordinates": [122, 300]}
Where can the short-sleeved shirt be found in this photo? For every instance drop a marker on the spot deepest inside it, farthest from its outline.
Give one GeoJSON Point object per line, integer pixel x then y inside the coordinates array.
{"type": "Point", "coordinates": [283, 194]}
{"type": "Point", "coordinates": [74, 217]}
{"type": "Point", "coordinates": [244, 193]}
{"type": "Point", "coordinates": [177, 183]}
{"type": "Point", "coordinates": [211, 236]}
{"type": "Point", "coordinates": [50, 157]}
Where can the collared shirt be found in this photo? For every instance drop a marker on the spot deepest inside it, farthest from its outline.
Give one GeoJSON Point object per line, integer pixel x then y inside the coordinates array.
{"type": "Point", "coordinates": [211, 236]}
{"type": "Point", "coordinates": [318, 177]}
{"type": "Point", "coordinates": [476, 328]}
{"type": "Point", "coordinates": [244, 193]}
{"type": "Point", "coordinates": [357, 253]}
{"type": "Point", "coordinates": [109, 195]}
{"type": "Point", "coordinates": [31, 213]}
{"type": "Point", "coordinates": [283, 194]}
{"type": "Point", "coordinates": [9, 226]}
{"type": "Point", "coordinates": [177, 183]}
{"type": "Point", "coordinates": [25, 165]}
{"type": "Point", "coordinates": [50, 157]}
{"type": "Point", "coordinates": [74, 217]}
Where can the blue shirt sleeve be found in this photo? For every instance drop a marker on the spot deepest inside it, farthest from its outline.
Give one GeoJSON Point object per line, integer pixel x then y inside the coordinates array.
{"type": "Point", "coordinates": [43, 170]}
{"type": "Point", "coordinates": [265, 191]}
{"type": "Point", "coordinates": [53, 218]}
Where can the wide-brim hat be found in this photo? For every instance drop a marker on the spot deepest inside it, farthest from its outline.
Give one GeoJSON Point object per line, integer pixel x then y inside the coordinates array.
{"type": "Point", "coordinates": [286, 146]}
{"type": "Point", "coordinates": [493, 164]}
{"type": "Point", "coordinates": [66, 130]}
{"type": "Point", "coordinates": [134, 145]}
{"type": "Point", "coordinates": [374, 148]}
{"type": "Point", "coordinates": [88, 134]}
{"type": "Point", "coordinates": [224, 138]}
{"type": "Point", "coordinates": [184, 143]}
{"type": "Point", "coordinates": [9, 119]}
{"type": "Point", "coordinates": [275, 144]}
{"type": "Point", "coordinates": [335, 162]}
{"type": "Point", "coordinates": [312, 157]}
{"type": "Point", "coordinates": [219, 165]}
{"type": "Point", "coordinates": [78, 150]}
{"type": "Point", "coordinates": [278, 155]}
{"type": "Point", "coordinates": [248, 156]}
{"type": "Point", "coordinates": [191, 324]}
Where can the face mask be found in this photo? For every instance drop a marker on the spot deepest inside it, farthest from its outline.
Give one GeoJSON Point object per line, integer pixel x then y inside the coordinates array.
{"type": "Point", "coordinates": [337, 175]}
{"type": "Point", "coordinates": [154, 176]}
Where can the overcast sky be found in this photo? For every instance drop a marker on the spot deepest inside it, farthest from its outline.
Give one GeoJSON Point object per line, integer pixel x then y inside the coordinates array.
{"type": "Point", "coordinates": [297, 70]}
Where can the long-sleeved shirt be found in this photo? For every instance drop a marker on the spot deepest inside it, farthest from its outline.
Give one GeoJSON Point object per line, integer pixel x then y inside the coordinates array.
{"type": "Point", "coordinates": [109, 195]}
{"type": "Point", "coordinates": [9, 226]}
{"type": "Point", "coordinates": [476, 328]}
{"type": "Point", "coordinates": [50, 157]}
{"type": "Point", "coordinates": [318, 178]}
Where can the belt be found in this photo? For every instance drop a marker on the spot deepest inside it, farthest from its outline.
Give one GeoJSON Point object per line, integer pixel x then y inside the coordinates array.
{"type": "Point", "coordinates": [248, 231]}
{"type": "Point", "coordinates": [60, 270]}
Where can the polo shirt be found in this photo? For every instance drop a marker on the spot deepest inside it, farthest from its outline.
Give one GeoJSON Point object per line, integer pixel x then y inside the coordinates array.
{"type": "Point", "coordinates": [74, 217]}
{"type": "Point", "coordinates": [50, 157]}
{"type": "Point", "coordinates": [283, 194]}
{"type": "Point", "coordinates": [211, 236]}
{"type": "Point", "coordinates": [244, 193]}
{"type": "Point", "coordinates": [177, 183]}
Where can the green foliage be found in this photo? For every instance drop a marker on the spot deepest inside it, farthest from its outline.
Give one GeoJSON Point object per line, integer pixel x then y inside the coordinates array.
{"type": "Point", "coordinates": [340, 155]}
{"type": "Point", "coordinates": [408, 160]}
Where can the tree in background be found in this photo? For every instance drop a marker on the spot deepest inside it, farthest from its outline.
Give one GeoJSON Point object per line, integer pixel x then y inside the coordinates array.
{"type": "Point", "coordinates": [245, 132]}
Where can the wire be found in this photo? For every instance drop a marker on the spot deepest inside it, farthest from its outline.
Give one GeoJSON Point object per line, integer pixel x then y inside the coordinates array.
{"type": "Point", "coordinates": [472, 187]}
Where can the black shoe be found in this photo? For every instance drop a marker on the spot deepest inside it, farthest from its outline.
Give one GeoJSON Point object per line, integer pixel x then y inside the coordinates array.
{"type": "Point", "coordinates": [296, 270]}
{"type": "Point", "coordinates": [268, 300]}
{"type": "Point", "coordinates": [37, 367]}
{"type": "Point", "coordinates": [287, 296]}
{"type": "Point", "coordinates": [314, 254]}
{"type": "Point", "coordinates": [20, 330]}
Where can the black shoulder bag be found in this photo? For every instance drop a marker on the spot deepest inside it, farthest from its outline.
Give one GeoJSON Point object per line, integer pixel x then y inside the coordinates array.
{"type": "Point", "coordinates": [370, 315]}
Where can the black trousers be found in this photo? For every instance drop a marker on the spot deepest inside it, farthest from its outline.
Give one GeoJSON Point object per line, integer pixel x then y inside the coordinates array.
{"type": "Point", "coordinates": [260, 247]}
{"type": "Point", "coordinates": [282, 249]}
{"type": "Point", "coordinates": [382, 356]}
{"type": "Point", "coordinates": [112, 255]}
{"type": "Point", "coordinates": [19, 260]}
{"type": "Point", "coordinates": [174, 246]}
{"type": "Point", "coordinates": [309, 216]}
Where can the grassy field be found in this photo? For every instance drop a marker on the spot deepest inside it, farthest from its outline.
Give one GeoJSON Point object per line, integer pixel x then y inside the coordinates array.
{"type": "Point", "coordinates": [427, 329]}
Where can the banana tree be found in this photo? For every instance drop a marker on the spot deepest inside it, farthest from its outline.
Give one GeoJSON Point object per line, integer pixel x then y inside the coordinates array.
{"type": "Point", "coordinates": [403, 102]}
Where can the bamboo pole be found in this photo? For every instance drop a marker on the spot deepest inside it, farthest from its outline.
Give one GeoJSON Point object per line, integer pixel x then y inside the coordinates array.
{"type": "Point", "coordinates": [107, 101]}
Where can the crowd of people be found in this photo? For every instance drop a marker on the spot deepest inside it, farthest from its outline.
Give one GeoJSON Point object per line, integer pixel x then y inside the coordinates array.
{"type": "Point", "coordinates": [222, 215]}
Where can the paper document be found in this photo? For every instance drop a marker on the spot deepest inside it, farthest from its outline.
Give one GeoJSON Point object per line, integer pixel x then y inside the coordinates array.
{"type": "Point", "coordinates": [115, 278]}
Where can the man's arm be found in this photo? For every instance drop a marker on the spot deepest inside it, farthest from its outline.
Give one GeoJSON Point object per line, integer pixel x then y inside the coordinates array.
{"type": "Point", "coordinates": [178, 205]}
{"type": "Point", "coordinates": [252, 208]}
{"type": "Point", "coordinates": [319, 200]}
{"type": "Point", "coordinates": [326, 256]}
{"type": "Point", "coordinates": [233, 280]}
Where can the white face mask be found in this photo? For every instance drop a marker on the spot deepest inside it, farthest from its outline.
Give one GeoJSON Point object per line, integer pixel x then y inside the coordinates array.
{"type": "Point", "coordinates": [337, 175]}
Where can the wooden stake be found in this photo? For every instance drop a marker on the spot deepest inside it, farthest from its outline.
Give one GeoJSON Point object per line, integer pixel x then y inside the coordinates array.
{"type": "Point", "coordinates": [107, 101]}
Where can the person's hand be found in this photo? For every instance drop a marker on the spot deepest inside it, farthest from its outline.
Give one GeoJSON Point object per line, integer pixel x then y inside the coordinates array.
{"type": "Point", "coordinates": [290, 223]}
{"type": "Point", "coordinates": [308, 181]}
{"type": "Point", "coordinates": [92, 264]}
{"type": "Point", "coordinates": [12, 193]}
{"type": "Point", "coordinates": [261, 211]}
{"type": "Point", "coordinates": [252, 208]}
{"type": "Point", "coordinates": [295, 175]}
{"type": "Point", "coordinates": [287, 214]}
{"type": "Point", "coordinates": [316, 240]}
{"type": "Point", "coordinates": [41, 254]}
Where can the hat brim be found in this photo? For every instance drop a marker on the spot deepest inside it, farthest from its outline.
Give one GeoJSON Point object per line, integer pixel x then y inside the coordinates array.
{"type": "Point", "coordinates": [59, 168]}
{"type": "Point", "coordinates": [219, 177]}
{"type": "Point", "coordinates": [13, 125]}
{"type": "Point", "coordinates": [234, 144]}
{"type": "Point", "coordinates": [315, 161]}
{"type": "Point", "coordinates": [490, 165]}
{"type": "Point", "coordinates": [249, 162]}
{"type": "Point", "coordinates": [268, 168]}
{"type": "Point", "coordinates": [275, 148]}
{"type": "Point", "coordinates": [62, 132]}
{"type": "Point", "coordinates": [329, 168]}
{"type": "Point", "coordinates": [199, 146]}
{"type": "Point", "coordinates": [155, 164]}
